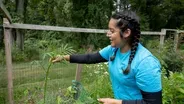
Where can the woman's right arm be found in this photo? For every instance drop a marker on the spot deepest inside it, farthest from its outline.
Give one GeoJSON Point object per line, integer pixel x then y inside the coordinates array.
{"type": "Point", "coordinates": [91, 58]}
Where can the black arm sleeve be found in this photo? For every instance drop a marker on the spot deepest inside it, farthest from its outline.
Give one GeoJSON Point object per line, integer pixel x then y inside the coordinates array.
{"type": "Point", "coordinates": [148, 98]}
{"type": "Point", "coordinates": [87, 58]}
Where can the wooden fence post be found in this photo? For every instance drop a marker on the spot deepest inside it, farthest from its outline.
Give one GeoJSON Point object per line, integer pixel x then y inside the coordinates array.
{"type": "Point", "coordinates": [79, 66]}
{"type": "Point", "coordinates": [77, 78]}
{"type": "Point", "coordinates": [7, 42]}
{"type": "Point", "coordinates": [176, 38]}
{"type": "Point", "coordinates": [162, 36]}
{"type": "Point", "coordinates": [78, 72]}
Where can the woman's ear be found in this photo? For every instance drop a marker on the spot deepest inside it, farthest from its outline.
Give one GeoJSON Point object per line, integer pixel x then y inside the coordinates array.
{"type": "Point", "coordinates": [127, 33]}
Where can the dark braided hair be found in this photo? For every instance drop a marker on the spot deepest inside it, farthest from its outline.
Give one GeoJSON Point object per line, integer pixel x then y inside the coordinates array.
{"type": "Point", "coordinates": [129, 20]}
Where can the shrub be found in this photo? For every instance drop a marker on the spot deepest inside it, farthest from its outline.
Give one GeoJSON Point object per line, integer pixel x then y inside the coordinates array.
{"type": "Point", "coordinates": [173, 88]}
{"type": "Point", "coordinates": [100, 85]}
{"type": "Point", "coordinates": [18, 55]}
{"type": "Point", "coordinates": [172, 60]}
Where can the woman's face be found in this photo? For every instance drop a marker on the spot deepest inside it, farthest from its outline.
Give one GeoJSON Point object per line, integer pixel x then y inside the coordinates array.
{"type": "Point", "coordinates": [114, 33]}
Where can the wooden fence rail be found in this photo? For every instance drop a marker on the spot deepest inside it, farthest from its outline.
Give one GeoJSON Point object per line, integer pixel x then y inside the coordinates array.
{"type": "Point", "coordinates": [68, 29]}
{"type": "Point", "coordinates": [72, 29]}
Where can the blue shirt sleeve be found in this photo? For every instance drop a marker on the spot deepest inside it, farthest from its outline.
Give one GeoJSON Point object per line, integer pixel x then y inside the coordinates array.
{"type": "Point", "coordinates": [105, 52]}
{"type": "Point", "coordinates": [148, 75]}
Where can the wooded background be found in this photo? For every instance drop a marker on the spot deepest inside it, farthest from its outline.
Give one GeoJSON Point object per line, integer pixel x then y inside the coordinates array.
{"type": "Point", "coordinates": [154, 14]}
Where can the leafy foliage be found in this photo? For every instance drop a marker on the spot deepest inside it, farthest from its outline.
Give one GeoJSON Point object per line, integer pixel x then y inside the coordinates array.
{"type": "Point", "coordinates": [31, 52]}
{"type": "Point", "coordinates": [100, 84]}
{"type": "Point", "coordinates": [46, 66]}
{"type": "Point", "coordinates": [173, 88]}
{"type": "Point", "coordinates": [154, 15]}
{"type": "Point", "coordinates": [161, 13]}
{"type": "Point", "coordinates": [170, 59]}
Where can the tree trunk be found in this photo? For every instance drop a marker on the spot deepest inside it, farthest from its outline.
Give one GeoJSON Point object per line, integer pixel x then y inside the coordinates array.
{"type": "Point", "coordinates": [20, 39]}
{"type": "Point", "coordinates": [20, 9]}
{"type": "Point", "coordinates": [20, 6]}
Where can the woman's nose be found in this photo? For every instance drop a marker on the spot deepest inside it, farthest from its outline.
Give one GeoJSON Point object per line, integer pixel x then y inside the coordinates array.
{"type": "Point", "coordinates": [108, 34]}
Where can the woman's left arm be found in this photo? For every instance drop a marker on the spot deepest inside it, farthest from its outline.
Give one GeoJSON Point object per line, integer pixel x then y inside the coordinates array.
{"type": "Point", "coordinates": [148, 98]}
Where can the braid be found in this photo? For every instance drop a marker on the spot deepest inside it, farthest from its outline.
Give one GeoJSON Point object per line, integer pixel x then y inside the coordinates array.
{"type": "Point", "coordinates": [128, 19]}
{"type": "Point", "coordinates": [134, 45]}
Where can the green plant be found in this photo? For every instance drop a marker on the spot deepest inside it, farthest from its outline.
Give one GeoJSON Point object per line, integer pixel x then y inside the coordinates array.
{"type": "Point", "coordinates": [173, 88]}
{"type": "Point", "coordinates": [100, 84]}
{"type": "Point", "coordinates": [45, 64]}
{"type": "Point", "coordinates": [46, 69]}
{"type": "Point", "coordinates": [18, 55]}
{"type": "Point", "coordinates": [172, 60]}
{"type": "Point", "coordinates": [30, 52]}
{"type": "Point", "coordinates": [46, 79]}
{"type": "Point", "coordinates": [75, 94]}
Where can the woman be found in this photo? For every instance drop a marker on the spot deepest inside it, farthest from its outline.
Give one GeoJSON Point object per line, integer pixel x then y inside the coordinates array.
{"type": "Point", "coordinates": [134, 72]}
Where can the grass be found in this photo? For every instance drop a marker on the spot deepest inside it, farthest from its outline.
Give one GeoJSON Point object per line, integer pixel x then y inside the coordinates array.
{"type": "Point", "coordinates": [28, 81]}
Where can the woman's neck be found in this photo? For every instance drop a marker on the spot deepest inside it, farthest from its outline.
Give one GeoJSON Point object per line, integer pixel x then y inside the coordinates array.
{"type": "Point", "coordinates": [125, 48]}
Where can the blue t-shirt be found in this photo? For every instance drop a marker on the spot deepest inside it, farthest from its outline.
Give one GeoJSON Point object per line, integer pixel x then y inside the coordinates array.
{"type": "Point", "coordinates": [145, 73]}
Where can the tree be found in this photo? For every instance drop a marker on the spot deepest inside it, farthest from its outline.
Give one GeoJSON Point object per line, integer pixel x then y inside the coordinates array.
{"type": "Point", "coordinates": [21, 11]}
{"type": "Point", "coordinates": [91, 14]}
{"type": "Point", "coordinates": [161, 13]}
{"type": "Point", "coordinates": [175, 13]}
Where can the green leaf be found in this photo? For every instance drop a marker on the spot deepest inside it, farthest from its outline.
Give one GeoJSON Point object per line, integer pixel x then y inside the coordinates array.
{"type": "Point", "coordinates": [181, 90]}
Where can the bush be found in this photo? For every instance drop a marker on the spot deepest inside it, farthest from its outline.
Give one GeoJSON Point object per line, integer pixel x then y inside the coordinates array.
{"type": "Point", "coordinates": [173, 88]}
{"type": "Point", "coordinates": [30, 52]}
{"type": "Point", "coordinates": [18, 55]}
{"type": "Point", "coordinates": [100, 84]}
{"type": "Point", "coordinates": [172, 60]}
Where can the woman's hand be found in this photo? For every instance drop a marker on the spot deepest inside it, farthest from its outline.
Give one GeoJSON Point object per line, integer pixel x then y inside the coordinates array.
{"type": "Point", "coordinates": [58, 58]}
{"type": "Point", "coordinates": [109, 101]}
